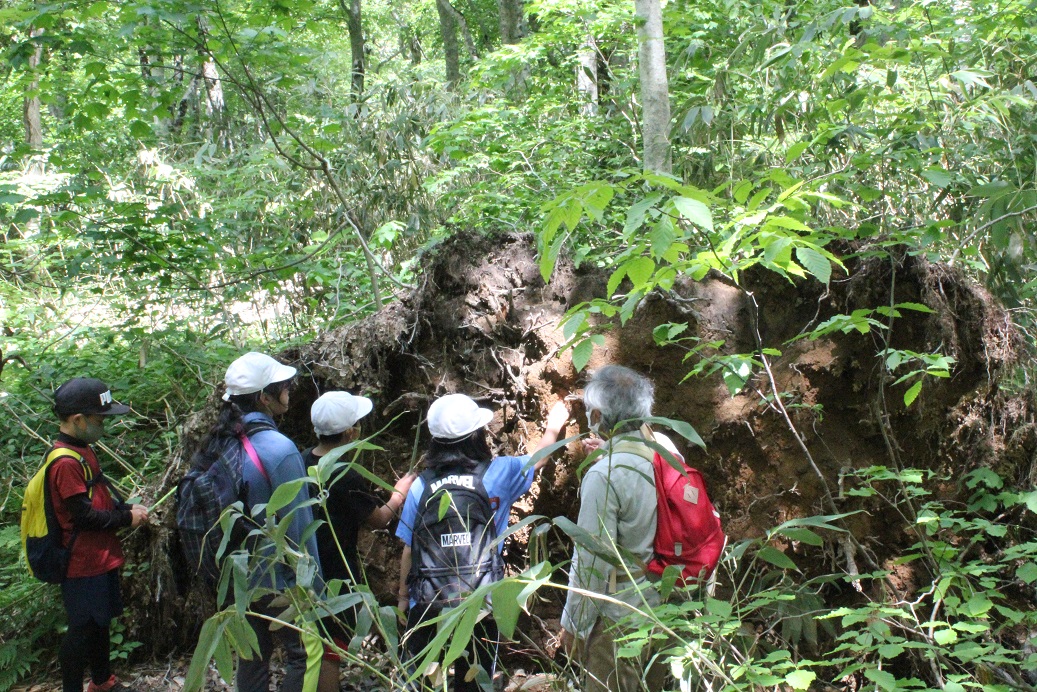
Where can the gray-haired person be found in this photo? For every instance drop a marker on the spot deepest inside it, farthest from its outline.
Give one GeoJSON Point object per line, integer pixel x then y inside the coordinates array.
{"type": "Point", "coordinates": [617, 505]}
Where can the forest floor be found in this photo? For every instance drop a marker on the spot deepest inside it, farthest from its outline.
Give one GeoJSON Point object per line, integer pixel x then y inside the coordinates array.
{"type": "Point", "coordinates": [171, 675]}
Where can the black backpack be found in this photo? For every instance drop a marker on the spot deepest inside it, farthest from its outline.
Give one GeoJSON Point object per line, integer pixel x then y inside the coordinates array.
{"type": "Point", "coordinates": [214, 482]}
{"type": "Point", "coordinates": [451, 548]}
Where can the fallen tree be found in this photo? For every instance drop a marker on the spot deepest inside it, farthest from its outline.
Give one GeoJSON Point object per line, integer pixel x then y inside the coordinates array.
{"type": "Point", "coordinates": [815, 406]}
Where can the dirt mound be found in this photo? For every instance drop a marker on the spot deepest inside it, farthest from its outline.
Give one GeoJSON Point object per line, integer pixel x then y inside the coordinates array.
{"type": "Point", "coordinates": [483, 322]}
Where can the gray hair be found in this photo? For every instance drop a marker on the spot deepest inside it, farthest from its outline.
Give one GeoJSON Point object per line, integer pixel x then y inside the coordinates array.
{"type": "Point", "coordinates": [620, 394]}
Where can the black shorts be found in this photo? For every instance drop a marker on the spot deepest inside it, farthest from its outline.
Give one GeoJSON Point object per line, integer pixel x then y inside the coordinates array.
{"type": "Point", "coordinates": [92, 598]}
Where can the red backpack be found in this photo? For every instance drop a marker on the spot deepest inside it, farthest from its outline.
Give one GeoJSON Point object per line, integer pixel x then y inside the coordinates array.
{"type": "Point", "coordinates": [688, 532]}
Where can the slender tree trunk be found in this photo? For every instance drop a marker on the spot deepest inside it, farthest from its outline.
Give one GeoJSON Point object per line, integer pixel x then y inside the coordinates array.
{"type": "Point", "coordinates": [461, 22]}
{"type": "Point", "coordinates": [448, 25]}
{"type": "Point", "coordinates": [587, 76]}
{"type": "Point", "coordinates": [356, 43]}
{"type": "Point", "coordinates": [31, 110]}
{"type": "Point", "coordinates": [410, 41]}
{"type": "Point", "coordinates": [655, 96]}
{"type": "Point", "coordinates": [510, 13]}
{"type": "Point", "coordinates": [215, 105]}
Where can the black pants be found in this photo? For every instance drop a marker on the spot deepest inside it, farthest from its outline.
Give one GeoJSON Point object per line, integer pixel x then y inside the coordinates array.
{"type": "Point", "coordinates": [302, 656]}
{"type": "Point", "coordinates": [91, 603]}
{"type": "Point", "coordinates": [482, 648]}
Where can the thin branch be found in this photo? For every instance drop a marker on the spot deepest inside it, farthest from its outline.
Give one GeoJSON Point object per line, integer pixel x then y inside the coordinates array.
{"type": "Point", "coordinates": [972, 236]}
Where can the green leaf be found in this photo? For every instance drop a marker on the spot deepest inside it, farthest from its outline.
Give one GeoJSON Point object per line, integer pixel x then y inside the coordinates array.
{"type": "Point", "coordinates": [615, 279]}
{"type": "Point", "coordinates": [550, 449]}
{"type": "Point", "coordinates": [787, 222]}
{"type": "Point", "coordinates": [776, 557]}
{"type": "Point", "coordinates": [283, 495]}
{"type": "Point", "coordinates": [794, 153]}
{"type": "Point", "coordinates": [506, 606]}
{"type": "Point", "coordinates": [911, 394]}
{"type": "Point", "coordinates": [549, 257]}
{"type": "Point", "coordinates": [742, 190]}
{"type": "Point", "coordinates": [918, 307]}
{"type": "Point", "coordinates": [720, 608]}
{"type": "Point", "coordinates": [662, 237]}
{"type": "Point", "coordinates": [694, 211]}
{"type": "Point", "coordinates": [972, 78]}
{"type": "Point", "coordinates": [937, 176]}
{"type": "Point", "coordinates": [800, 679]}
{"type": "Point", "coordinates": [815, 263]}
{"type": "Point", "coordinates": [208, 639]}
{"type": "Point", "coordinates": [802, 535]}
{"type": "Point", "coordinates": [944, 637]}
{"type": "Point", "coordinates": [444, 504]}
{"type": "Point", "coordinates": [639, 270]}
{"type": "Point", "coordinates": [683, 429]}
{"type": "Point", "coordinates": [636, 213]}
{"type": "Point", "coordinates": [141, 130]}
{"type": "Point", "coordinates": [581, 354]}
{"type": "Point", "coordinates": [1027, 572]}
{"type": "Point", "coordinates": [881, 678]}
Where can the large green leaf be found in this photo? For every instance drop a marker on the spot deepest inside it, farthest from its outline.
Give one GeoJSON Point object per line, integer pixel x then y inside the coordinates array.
{"type": "Point", "coordinates": [695, 211]}
{"type": "Point", "coordinates": [815, 263]}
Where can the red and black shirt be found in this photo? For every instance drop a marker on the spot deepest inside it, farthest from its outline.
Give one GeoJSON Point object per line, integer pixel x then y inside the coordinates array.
{"type": "Point", "coordinates": [90, 509]}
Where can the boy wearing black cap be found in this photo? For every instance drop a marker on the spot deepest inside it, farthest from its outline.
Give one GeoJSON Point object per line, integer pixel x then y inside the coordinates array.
{"type": "Point", "coordinates": [89, 516]}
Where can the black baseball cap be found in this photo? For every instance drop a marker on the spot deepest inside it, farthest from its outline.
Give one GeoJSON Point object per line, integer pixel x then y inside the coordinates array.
{"type": "Point", "coordinates": [86, 395]}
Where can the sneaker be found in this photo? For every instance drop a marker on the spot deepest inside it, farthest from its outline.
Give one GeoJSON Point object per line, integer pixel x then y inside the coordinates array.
{"type": "Point", "coordinates": [112, 685]}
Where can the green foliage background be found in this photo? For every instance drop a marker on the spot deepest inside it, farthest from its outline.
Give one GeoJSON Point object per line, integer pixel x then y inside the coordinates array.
{"type": "Point", "coordinates": [154, 236]}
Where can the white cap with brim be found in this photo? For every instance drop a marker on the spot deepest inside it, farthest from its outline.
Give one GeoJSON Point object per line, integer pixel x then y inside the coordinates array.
{"type": "Point", "coordinates": [253, 372]}
{"type": "Point", "coordinates": [455, 416]}
{"type": "Point", "coordinates": [336, 412]}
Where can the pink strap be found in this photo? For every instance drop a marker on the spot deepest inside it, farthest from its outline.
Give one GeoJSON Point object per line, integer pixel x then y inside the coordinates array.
{"type": "Point", "coordinates": [251, 451]}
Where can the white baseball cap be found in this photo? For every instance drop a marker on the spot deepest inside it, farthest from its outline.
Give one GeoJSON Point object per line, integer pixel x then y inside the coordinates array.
{"type": "Point", "coordinates": [335, 412]}
{"type": "Point", "coordinates": [252, 372]}
{"type": "Point", "coordinates": [454, 416]}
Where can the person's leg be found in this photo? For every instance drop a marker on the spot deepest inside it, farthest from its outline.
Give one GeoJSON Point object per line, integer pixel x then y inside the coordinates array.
{"type": "Point", "coordinates": [73, 656]}
{"type": "Point", "coordinates": [333, 629]}
{"type": "Point", "coordinates": [599, 663]}
{"type": "Point", "coordinates": [414, 639]}
{"type": "Point", "coordinates": [607, 672]}
{"type": "Point", "coordinates": [90, 604]}
{"type": "Point", "coordinates": [99, 653]}
{"type": "Point", "coordinates": [106, 604]}
{"type": "Point", "coordinates": [302, 659]}
{"type": "Point", "coordinates": [254, 674]}
{"type": "Point", "coordinates": [483, 651]}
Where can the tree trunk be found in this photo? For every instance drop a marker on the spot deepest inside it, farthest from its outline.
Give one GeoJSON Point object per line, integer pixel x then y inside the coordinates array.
{"type": "Point", "coordinates": [31, 111]}
{"type": "Point", "coordinates": [655, 96]}
{"type": "Point", "coordinates": [461, 22]}
{"type": "Point", "coordinates": [448, 25]}
{"type": "Point", "coordinates": [510, 13]}
{"type": "Point", "coordinates": [356, 43]}
{"type": "Point", "coordinates": [587, 77]}
{"type": "Point", "coordinates": [215, 106]}
{"type": "Point", "coordinates": [410, 40]}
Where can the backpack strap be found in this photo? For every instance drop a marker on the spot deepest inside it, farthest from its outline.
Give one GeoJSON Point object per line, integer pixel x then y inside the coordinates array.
{"type": "Point", "coordinates": [88, 473]}
{"type": "Point", "coordinates": [251, 452]}
{"type": "Point", "coordinates": [53, 527]}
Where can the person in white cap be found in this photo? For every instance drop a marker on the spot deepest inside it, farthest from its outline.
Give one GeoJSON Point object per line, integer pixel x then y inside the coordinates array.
{"type": "Point", "coordinates": [459, 461]}
{"type": "Point", "coordinates": [258, 390]}
{"type": "Point", "coordinates": [350, 504]}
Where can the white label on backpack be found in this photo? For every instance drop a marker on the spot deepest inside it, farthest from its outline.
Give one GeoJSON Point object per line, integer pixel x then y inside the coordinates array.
{"type": "Point", "coordinates": [691, 494]}
{"type": "Point", "coordinates": [454, 540]}
{"type": "Point", "coordinates": [454, 479]}
{"type": "Point", "coordinates": [677, 549]}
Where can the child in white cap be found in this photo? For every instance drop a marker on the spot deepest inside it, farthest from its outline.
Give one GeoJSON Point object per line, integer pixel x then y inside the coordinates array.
{"type": "Point", "coordinates": [350, 505]}
{"type": "Point", "coordinates": [449, 554]}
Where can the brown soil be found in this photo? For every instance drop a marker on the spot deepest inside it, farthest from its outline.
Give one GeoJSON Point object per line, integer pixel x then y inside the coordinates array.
{"type": "Point", "coordinates": [483, 322]}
